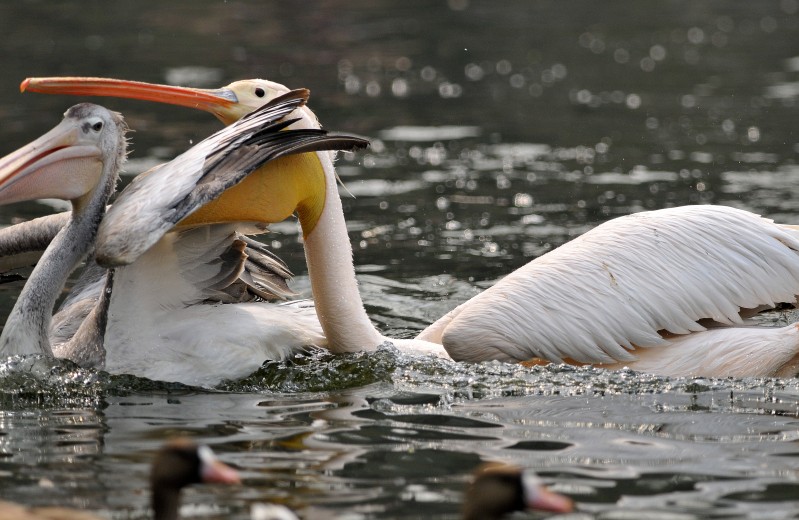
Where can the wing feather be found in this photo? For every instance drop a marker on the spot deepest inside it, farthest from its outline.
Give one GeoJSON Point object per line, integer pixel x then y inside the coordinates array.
{"type": "Point", "coordinates": [158, 199]}
{"type": "Point", "coordinates": [622, 284]}
{"type": "Point", "coordinates": [225, 266]}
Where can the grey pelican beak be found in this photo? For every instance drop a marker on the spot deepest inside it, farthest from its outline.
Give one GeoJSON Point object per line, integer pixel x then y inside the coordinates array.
{"type": "Point", "coordinates": [52, 166]}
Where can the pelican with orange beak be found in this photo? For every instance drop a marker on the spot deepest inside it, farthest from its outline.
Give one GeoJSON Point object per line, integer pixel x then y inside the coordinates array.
{"type": "Point", "coordinates": [159, 317]}
{"type": "Point", "coordinates": [665, 291]}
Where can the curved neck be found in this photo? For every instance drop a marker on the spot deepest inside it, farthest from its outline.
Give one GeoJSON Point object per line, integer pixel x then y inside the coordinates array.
{"type": "Point", "coordinates": [329, 256]}
{"type": "Point", "coordinates": [27, 328]}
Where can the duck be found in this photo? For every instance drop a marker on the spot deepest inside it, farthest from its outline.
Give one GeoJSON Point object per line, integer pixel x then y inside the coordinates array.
{"type": "Point", "coordinates": [498, 489]}
{"type": "Point", "coordinates": [178, 464]}
{"type": "Point", "coordinates": [495, 490]}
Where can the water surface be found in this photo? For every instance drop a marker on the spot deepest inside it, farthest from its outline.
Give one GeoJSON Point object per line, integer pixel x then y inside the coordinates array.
{"type": "Point", "coordinates": [499, 131]}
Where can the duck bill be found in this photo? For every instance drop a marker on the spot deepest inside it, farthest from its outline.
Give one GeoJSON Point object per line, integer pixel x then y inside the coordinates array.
{"type": "Point", "coordinates": [546, 500]}
{"type": "Point", "coordinates": [220, 473]}
{"type": "Point", "coordinates": [213, 470]}
{"type": "Point", "coordinates": [38, 169]}
{"type": "Point", "coordinates": [215, 101]}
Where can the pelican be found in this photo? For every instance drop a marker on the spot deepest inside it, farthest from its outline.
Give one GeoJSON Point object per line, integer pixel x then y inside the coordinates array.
{"type": "Point", "coordinates": [263, 277]}
{"type": "Point", "coordinates": [87, 149]}
{"type": "Point", "coordinates": [665, 291]}
{"type": "Point", "coordinates": [152, 319]}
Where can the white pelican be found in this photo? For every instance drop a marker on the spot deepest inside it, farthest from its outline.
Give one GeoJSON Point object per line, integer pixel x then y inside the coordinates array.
{"type": "Point", "coordinates": [264, 276]}
{"type": "Point", "coordinates": [155, 320]}
{"type": "Point", "coordinates": [87, 149]}
{"type": "Point", "coordinates": [664, 291]}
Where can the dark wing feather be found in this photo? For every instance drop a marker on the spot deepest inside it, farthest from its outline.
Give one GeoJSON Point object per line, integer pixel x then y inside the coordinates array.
{"type": "Point", "coordinates": [228, 267]}
{"type": "Point", "coordinates": [228, 166]}
{"type": "Point", "coordinates": [155, 201]}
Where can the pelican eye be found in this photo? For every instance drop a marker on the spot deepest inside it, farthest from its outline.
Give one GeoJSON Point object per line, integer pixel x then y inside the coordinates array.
{"type": "Point", "coordinates": [260, 92]}
{"type": "Point", "coordinates": [97, 126]}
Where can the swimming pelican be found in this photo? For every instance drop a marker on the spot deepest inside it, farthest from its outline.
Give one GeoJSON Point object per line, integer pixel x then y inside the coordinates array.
{"type": "Point", "coordinates": [264, 277]}
{"type": "Point", "coordinates": [154, 320]}
{"type": "Point", "coordinates": [665, 291]}
{"type": "Point", "coordinates": [87, 150]}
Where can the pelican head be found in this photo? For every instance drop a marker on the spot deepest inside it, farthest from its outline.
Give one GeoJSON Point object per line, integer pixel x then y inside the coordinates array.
{"type": "Point", "coordinates": [229, 103]}
{"type": "Point", "coordinates": [68, 161]}
{"type": "Point", "coordinates": [301, 178]}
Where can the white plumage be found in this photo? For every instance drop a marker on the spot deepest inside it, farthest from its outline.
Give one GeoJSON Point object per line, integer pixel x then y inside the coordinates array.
{"type": "Point", "coordinates": [664, 291]}
{"type": "Point", "coordinates": [625, 283]}
{"type": "Point", "coordinates": [165, 322]}
{"type": "Point", "coordinates": [184, 310]}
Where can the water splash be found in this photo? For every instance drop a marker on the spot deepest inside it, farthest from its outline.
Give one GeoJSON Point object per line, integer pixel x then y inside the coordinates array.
{"type": "Point", "coordinates": [32, 381]}
{"type": "Point", "coordinates": [40, 382]}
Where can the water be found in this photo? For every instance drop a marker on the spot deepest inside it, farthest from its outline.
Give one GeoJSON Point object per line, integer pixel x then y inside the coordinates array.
{"type": "Point", "coordinates": [500, 131]}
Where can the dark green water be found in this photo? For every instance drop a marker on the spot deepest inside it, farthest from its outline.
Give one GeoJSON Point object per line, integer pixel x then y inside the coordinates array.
{"type": "Point", "coordinates": [500, 130]}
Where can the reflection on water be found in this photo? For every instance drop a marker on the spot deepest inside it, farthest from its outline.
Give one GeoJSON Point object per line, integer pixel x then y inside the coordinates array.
{"type": "Point", "coordinates": [398, 435]}
{"type": "Point", "coordinates": [500, 131]}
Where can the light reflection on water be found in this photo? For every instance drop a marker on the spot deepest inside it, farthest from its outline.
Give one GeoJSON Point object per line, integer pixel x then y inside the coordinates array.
{"type": "Point", "coordinates": [499, 133]}
{"type": "Point", "coordinates": [383, 434]}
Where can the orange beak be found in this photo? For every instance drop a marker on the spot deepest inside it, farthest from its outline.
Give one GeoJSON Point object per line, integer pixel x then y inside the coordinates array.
{"type": "Point", "coordinates": [215, 101]}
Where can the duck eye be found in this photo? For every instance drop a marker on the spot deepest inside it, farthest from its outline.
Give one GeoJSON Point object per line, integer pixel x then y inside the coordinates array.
{"type": "Point", "coordinates": [97, 126]}
{"type": "Point", "coordinates": [260, 92]}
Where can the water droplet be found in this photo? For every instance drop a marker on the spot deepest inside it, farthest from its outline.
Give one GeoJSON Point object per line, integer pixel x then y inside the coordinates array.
{"type": "Point", "coordinates": [696, 35]}
{"type": "Point", "coordinates": [428, 73]}
{"type": "Point", "coordinates": [633, 101]}
{"type": "Point", "coordinates": [474, 72]}
{"type": "Point", "coordinates": [504, 67]}
{"type": "Point", "coordinates": [399, 87]}
{"type": "Point", "coordinates": [373, 89]}
{"type": "Point", "coordinates": [657, 52]}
